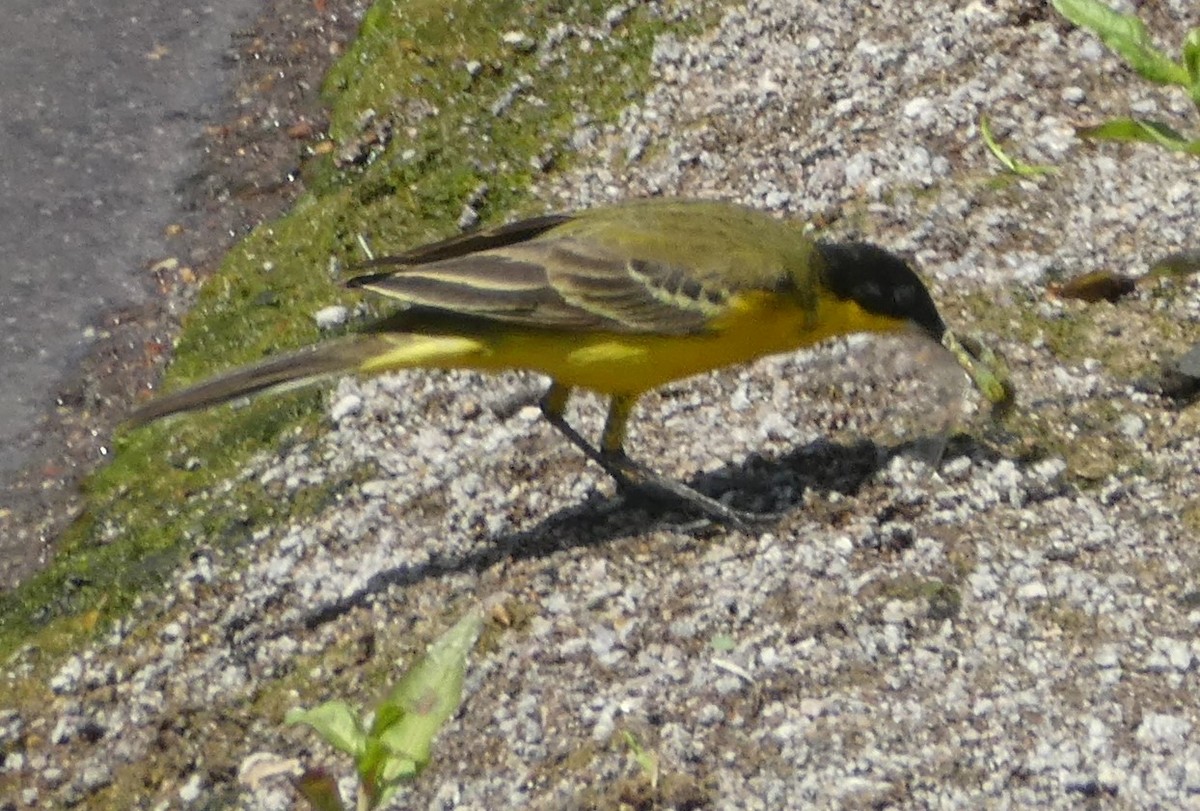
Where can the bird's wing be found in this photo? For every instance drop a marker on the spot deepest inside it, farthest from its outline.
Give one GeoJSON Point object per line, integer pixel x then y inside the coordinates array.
{"type": "Point", "coordinates": [485, 239]}
{"type": "Point", "coordinates": [542, 274]}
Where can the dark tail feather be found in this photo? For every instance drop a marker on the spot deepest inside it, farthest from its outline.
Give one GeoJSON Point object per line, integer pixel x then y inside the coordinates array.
{"type": "Point", "coordinates": [283, 371]}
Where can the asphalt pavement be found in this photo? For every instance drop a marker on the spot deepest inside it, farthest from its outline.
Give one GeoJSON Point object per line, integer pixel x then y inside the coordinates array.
{"type": "Point", "coordinates": [101, 106]}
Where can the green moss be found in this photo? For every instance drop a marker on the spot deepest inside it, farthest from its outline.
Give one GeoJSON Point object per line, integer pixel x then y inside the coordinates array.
{"type": "Point", "coordinates": [1073, 623]}
{"type": "Point", "coordinates": [165, 487]}
{"type": "Point", "coordinates": [1074, 333]}
{"type": "Point", "coordinates": [943, 599]}
{"type": "Point", "coordinates": [636, 793]}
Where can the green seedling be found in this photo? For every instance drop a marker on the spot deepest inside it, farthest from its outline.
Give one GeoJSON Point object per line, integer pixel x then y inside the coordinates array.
{"type": "Point", "coordinates": [1126, 36]}
{"type": "Point", "coordinates": [646, 761]}
{"type": "Point", "coordinates": [395, 748]}
{"type": "Point", "coordinates": [722, 643]}
{"type": "Point", "coordinates": [1014, 165]}
{"type": "Point", "coordinates": [1136, 129]}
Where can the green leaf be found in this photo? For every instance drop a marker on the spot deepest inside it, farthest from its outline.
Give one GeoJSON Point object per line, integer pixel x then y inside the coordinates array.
{"type": "Point", "coordinates": [722, 643]}
{"type": "Point", "coordinates": [427, 696]}
{"type": "Point", "coordinates": [320, 789]}
{"type": "Point", "coordinates": [398, 769]}
{"type": "Point", "coordinates": [370, 765]}
{"type": "Point", "coordinates": [390, 789]}
{"type": "Point", "coordinates": [336, 722]}
{"type": "Point", "coordinates": [1125, 35]}
{"type": "Point", "coordinates": [1147, 132]}
{"type": "Point", "coordinates": [647, 761]}
{"type": "Point", "coordinates": [986, 370]}
{"type": "Point", "coordinates": [386, 715]}
{"type": "Point", "coordinates": [1191, 62]}
{"type": "Point", "coordinates": [1017, 167]}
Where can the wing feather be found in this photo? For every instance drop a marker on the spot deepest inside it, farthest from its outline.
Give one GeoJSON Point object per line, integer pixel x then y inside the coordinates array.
{"type": "Point", "coordinates": [609, 269]}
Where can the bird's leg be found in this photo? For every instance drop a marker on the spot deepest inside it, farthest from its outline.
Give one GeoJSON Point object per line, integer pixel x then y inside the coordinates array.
{"type": "Point", "coordinates": [554, 406]}
{"type": "Point", "coordinates": [629, 475]}
{"type": "Point", "coordinates": [611, 455]}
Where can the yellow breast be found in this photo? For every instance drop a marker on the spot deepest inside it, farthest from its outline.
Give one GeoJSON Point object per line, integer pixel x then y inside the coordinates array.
{"type": "Point", "coordinates": [755, 325]}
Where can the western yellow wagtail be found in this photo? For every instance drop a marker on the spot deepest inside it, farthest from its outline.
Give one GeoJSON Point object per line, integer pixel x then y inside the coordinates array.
{"type": "Point", "coordinates": [620, 300]}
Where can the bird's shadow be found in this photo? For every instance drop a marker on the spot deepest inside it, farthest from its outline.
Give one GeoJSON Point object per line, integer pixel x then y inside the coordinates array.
{"type": "Point", "coordinates": [773, 484]}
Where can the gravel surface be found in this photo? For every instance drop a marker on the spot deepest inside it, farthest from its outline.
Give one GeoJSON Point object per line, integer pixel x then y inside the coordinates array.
{"type": "Point", "coordinates": [1020, 628]}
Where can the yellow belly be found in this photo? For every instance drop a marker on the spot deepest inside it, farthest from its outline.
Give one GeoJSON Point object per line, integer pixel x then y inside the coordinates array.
{"type": "Point", "coordinates": [614, 363]}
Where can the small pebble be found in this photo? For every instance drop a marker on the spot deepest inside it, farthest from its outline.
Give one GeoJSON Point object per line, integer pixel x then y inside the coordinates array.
{"type": "Point", "coordinates": [331, 317]}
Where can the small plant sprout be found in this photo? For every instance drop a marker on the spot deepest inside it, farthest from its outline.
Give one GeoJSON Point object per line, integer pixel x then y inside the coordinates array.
{"type": "Point", "coordinates": [1014, 165]}
{"type": "Point", "coordinates": [395, 748]}
{"type": "Point", "coordinates": [646, 761]}
{"type": "Point", "coordinates": [1126, 36]}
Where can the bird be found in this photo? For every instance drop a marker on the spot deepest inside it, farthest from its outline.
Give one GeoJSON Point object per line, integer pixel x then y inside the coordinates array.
{"type": "Point", "coordinates": [619, 299]}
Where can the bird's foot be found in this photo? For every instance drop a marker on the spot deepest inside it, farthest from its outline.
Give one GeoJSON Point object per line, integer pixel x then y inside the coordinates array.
{"type": "Point", "coordinates": [636, 482]}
